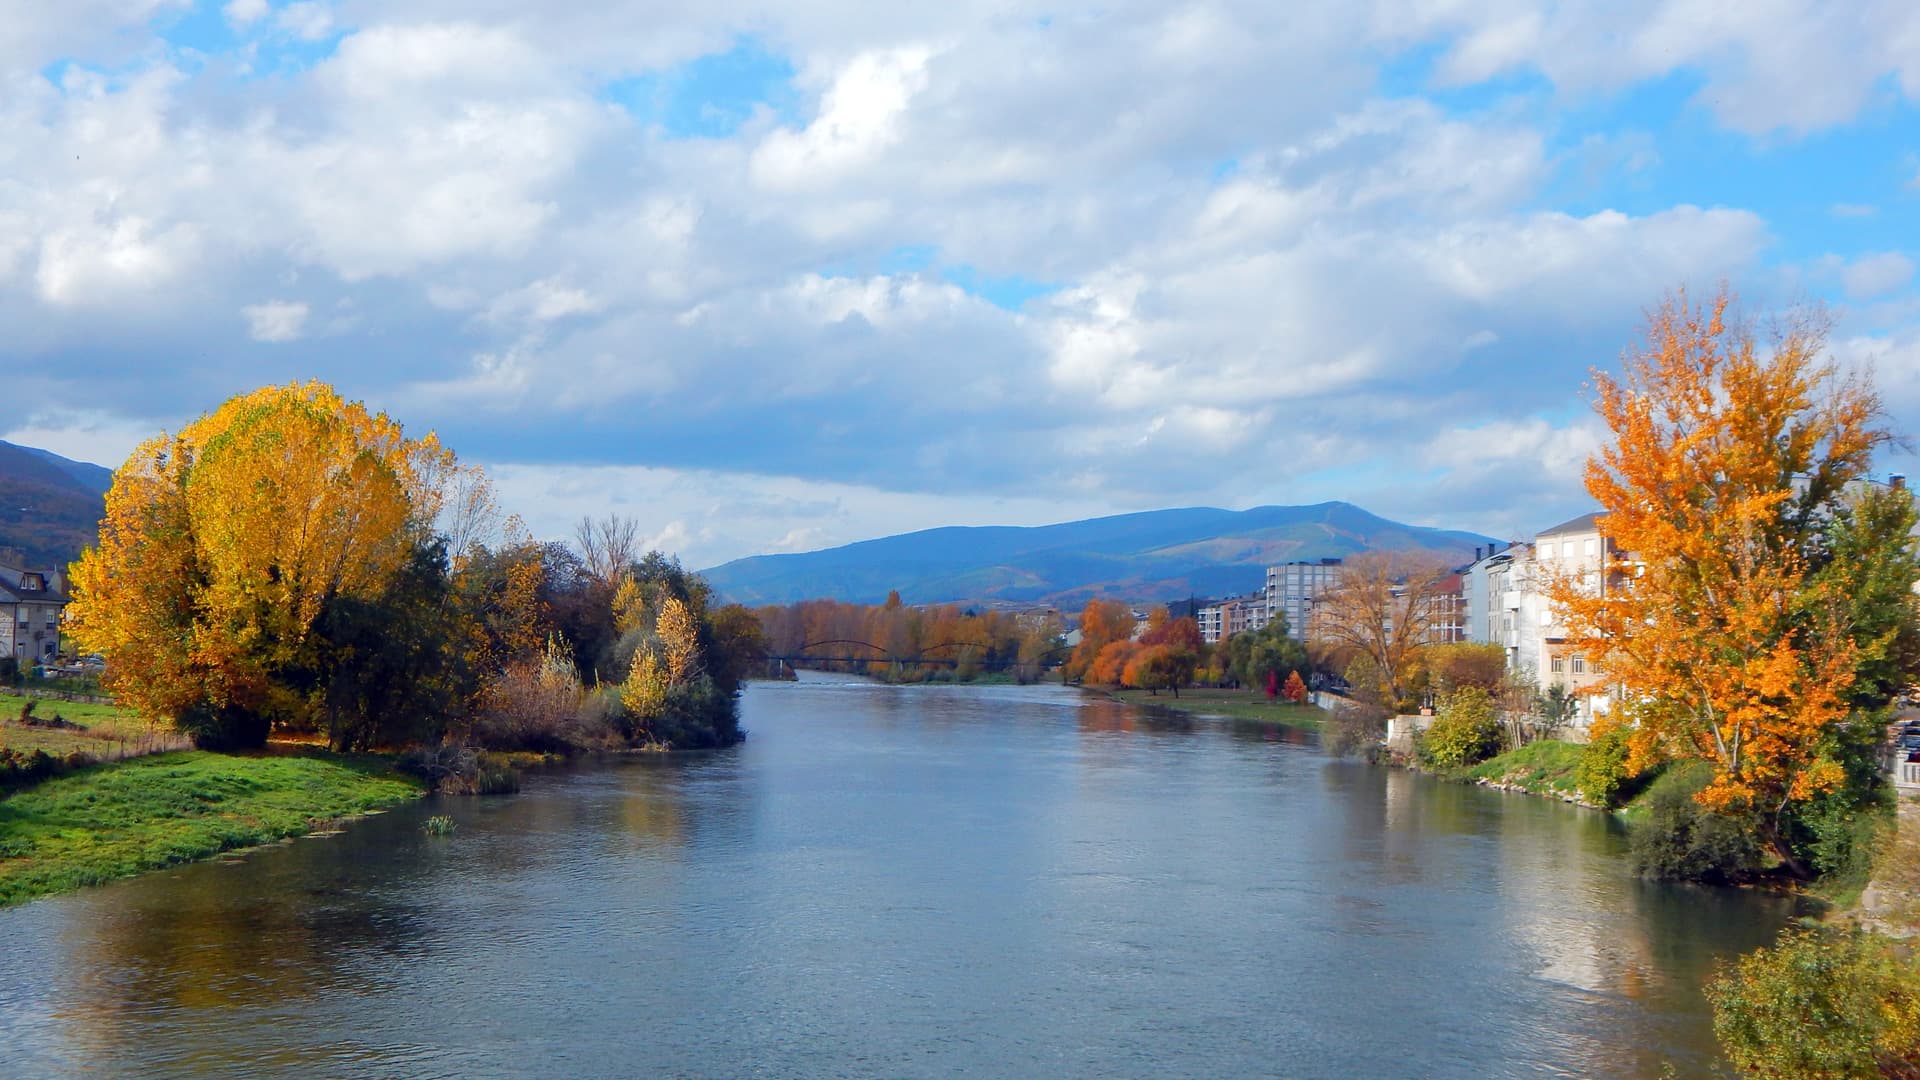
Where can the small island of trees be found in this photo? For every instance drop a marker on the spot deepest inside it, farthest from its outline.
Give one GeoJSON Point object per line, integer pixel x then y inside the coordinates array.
{"type": "Point", "coordinates": [293, 564]}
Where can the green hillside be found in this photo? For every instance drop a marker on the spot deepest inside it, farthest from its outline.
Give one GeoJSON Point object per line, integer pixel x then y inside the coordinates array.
{"type": "Point", "coordinates": [50, 507]}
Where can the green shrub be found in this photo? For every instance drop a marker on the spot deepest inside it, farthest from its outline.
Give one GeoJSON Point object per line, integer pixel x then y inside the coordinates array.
{"type": "Point", "coordinates": [697, 715]}
{"type": "Point", "coordinates": [438, 825]}
{"type": "Point", "coordinates": [21, 768]}
{"type": "Point", "coordinates": [1838, 833]}
{"type": "Point", "coordinates": [1466, 732]}
{"type": "Point", "coordinates": [1602, 773]}
{"type": "Point", "coordinates": [1680, 840]}
{"type": "Point", "coordinates": [1820, 1004]}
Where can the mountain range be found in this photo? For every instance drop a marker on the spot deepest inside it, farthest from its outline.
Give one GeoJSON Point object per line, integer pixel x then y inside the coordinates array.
{"type": "Point", "coordinates": [1155, 555]}
{"type": "Point", "coordinates": [50, 506]}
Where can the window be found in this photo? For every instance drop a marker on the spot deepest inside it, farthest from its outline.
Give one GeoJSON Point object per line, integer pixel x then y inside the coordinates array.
{"type": "Point", "coordinates": [1566, 549]}
{"type": "Point", "coordinates": [1590, 546]}
{"type": "Point", "coordinates": [1579, 664]}
{"type": "Point", "coordinates": [1546, 617]}
{"type": "Point", "coordinates": [1559, 664]}
{"type": "Point", "coordinates": [1546, 552]}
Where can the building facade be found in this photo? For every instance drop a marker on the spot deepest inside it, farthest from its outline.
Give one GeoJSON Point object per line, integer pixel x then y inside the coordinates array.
{"type": "Point", "coordinates": [1222, 619]}
{"type": "Point", "coordinates": [1292, 588]}
{"type": "Point", "coordinates": [30, 606]}
{"type": "Point", "coordinates": [1505, 597]}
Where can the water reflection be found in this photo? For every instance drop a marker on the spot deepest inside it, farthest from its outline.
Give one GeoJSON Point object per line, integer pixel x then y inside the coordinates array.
{"type": "Point", "coordinates": [918, 881]}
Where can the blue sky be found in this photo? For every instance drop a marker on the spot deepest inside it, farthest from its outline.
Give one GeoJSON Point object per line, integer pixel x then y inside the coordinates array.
{"type": "Point", "coordinates": [776, 277]}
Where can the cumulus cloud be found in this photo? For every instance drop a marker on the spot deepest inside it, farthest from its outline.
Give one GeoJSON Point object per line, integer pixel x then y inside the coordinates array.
{"type": "Point", "coordinates": [275, 320]}
{"type": "Point", "coordinates": [1876, 275]}
{"type": "Point", "coordinates": [243, 13]}
{"type": "Point", "coordinates": [860, 117]}
{"type": "Point", "coordinates": [1029, 262]}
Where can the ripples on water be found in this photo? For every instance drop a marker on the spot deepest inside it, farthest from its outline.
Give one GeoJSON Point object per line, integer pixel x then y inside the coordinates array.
{"type": "Point", "coordinates": [888, 881]}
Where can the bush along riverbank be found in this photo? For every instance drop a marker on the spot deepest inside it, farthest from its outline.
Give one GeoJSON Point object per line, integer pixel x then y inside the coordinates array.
{"type": "Point", "coordinates": [118, 819]}
{"type": "Point", "coordinates": [1234, 704]}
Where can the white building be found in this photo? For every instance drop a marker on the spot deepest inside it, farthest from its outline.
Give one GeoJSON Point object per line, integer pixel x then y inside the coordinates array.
{"type": "Point", "coordinates": [1506, 601]}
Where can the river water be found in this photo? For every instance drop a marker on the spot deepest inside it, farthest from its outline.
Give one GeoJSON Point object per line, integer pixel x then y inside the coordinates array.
{"type": "Point", "coordinates": [902, 882]}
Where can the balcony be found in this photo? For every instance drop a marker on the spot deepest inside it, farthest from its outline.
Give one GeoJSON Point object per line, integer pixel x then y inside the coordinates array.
{"type": "Point", "coordinates": [1510, 600]}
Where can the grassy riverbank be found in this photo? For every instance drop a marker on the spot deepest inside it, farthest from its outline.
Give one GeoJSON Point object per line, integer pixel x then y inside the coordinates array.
{"type": "Point", "coordinates": [117, 820]}
{"type": "Point", "coordinates": [111, 731]}
{"type": "Point", "coordinates": [1237, 704]}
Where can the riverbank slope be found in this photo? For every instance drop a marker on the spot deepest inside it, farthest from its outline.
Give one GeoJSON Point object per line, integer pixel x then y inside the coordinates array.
{"type": "Point", "coordinates": [1235, 704]}
{"type": "Point", "coordinates": [116, 820]}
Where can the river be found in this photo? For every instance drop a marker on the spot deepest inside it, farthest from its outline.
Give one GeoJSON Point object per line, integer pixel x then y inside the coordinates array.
{"type": "Point", "coordinates": [902, 882]}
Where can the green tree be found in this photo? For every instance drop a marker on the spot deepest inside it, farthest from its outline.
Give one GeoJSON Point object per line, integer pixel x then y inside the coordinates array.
{"type": "Point", "coordinates": [385, 668]}
{"type": "Point", "coordinates": [1466, 732]}
{"type": "Point", "coordinates": [1250, 656]}
{"type": "Point", "coordinates": [1820, 1004]}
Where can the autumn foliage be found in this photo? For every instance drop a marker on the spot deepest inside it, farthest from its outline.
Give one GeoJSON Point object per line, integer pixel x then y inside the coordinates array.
{"type": "Point", "coordinates": [1295, 690]}
{"type": "Point", "coordinates": [222, 543]}
{"type": "Point", "coordinates": [1727, 463]}
{"type": "Point", "coordinates": [901, 642]}
{"type": "Point", "coordinates": [294, 562]}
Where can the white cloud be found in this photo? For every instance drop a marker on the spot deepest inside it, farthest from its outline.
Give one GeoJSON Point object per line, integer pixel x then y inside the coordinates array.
{"type": "Point", "coordinates": [714, 517]}
{"type": "Point", "coordinates": [860, 116]}
{"type": "Point", "coordinates": [967, 253]}
{"type": "Point", "coordinates": [275, 320]}
{"type": "Point", "coordinates": [1876, 275]}
{"type": "Point", "coordinates": [308, 20]}
{"type": "Point", "coordinates": [244, 13]}
{"type": "Point", "coordinates": [124, 261]}
{"type": "Point", "coordinates": [81, 434]}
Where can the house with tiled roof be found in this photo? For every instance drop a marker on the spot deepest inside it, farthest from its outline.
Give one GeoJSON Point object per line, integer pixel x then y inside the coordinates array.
{"type": "Point", "coordinates": [30, 605]}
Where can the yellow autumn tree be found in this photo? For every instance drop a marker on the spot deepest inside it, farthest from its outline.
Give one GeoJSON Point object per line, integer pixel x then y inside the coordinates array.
{"type": "Point", "coordinates": [1384, 609]}
{"type": "Point", "coordinates": [221, 544]}
{"type": "Point", "coordinates": [679, 633]}
{"type": "Point", "coordinates": [1727, 459]}
{"type": "Point", "coordinates": [629, 605]}
{"type": "Point", "coordinates": [645, 691]}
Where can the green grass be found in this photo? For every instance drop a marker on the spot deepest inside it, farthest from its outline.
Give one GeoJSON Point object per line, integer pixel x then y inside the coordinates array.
{"type": "Point", "coordinates": [116, 820]}
{"type": "Point", "coordinates": [1542, 768]}
{"type": "Point", "coordinates": [1686, 775]}
{"type": "Point", "coordinates": [1237, 704]}
{"type": "Point", "coordinates": [113, 731]}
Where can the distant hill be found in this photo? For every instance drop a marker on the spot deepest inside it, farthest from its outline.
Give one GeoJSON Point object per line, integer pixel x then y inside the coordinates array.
{"type": "Point", "coordinates": [50, 506]}
{"type": "Point", "coordinates": [1159, 554]}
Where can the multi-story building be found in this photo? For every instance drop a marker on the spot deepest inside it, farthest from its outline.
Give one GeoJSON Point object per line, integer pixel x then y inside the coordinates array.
{"type": "Point", "coordinates": [1506, 600]}
{"type": "Point", "coordinates": [1292, 588]}
{"type": "Point", "coordinates": [1224, 618]}
{"type": "Point", "coordinates": [1449, 611]}
{"type": "Point", "coordinates": [30, 604]}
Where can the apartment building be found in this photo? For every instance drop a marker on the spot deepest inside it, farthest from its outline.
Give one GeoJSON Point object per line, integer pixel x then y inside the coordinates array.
{"type": "Point", "coordinates": [1504, 593]}
{"type": "Point", "coordinates": [1222, 619]}
{"type": "Point", "coordinates": [1292, 588]}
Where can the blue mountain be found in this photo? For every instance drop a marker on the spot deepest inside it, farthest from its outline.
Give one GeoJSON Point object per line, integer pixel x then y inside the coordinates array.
{"type": "Point", "coordinates": [1155, 555]}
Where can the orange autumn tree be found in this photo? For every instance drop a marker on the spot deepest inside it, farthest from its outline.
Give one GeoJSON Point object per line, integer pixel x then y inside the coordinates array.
{"type": "Point", "coordinates": [1103, 623]}
{"type": "Point", "coordinates": [222, 544]}
{"type": "Point", "coordinates": [1728, 460]}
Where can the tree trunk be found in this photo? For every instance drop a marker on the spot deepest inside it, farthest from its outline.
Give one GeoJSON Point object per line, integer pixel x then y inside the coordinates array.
{"type": "Point", "coordinates": [1777, 842]}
